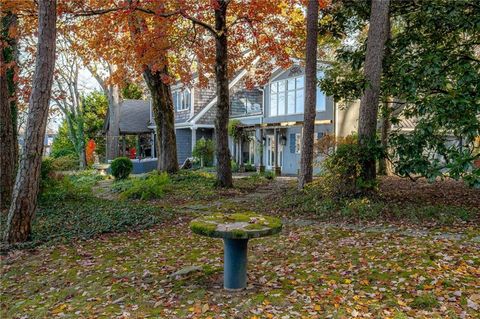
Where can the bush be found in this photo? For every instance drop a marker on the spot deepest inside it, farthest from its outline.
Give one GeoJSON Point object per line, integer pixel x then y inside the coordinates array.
{"type": "Point", "coordinates": [269, 175]}
{"type": "Point", "coordinates": [46, 170]}
{"type": "Point", "coordinates": [65, 163]}
{"type": "Point", "coordinates": [153, 186]}
{"type": "Point", "coordinates": [121, 167]}
{"type": "Point", "coordinates": [250, 168]}
{"type": "Point", "coordinates": [204, 150]}
{"type": "Point", "coordinates": [234, 166]}
{"type": "Point", "coordinates": [342, 170]}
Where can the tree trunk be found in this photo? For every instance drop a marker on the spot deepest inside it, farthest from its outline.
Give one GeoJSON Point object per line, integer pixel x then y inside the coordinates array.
{"type": "Point", "coordinates": [113, 134]}
{"type": "Point", "coordinates": [224, 169]}
{"type": "Point", "coordinates": [306, 163]}
{"type": "Point", "coordinates": [24, 199]}
{"type": "Point", "coordinates": [162, 106]}
{"type": "Point", "coordinates": [367, 122]}
{"type": "Point", "coordinates": [8, 110]}
{"type": "Point", "coordinates": [383, 165]}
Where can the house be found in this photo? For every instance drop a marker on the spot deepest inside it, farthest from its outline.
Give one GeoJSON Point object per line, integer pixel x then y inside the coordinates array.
{"type": "Point", "coordinates": [271, 115]}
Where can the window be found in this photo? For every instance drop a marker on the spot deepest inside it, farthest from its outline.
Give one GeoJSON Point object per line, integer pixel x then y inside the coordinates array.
{"type": "Point", "coordinates": [298, 143]}
{"type": "Point", "coordinates": [181, 100]}
{"type": "Point", "coordinates": [321, 100]}
{"type": "Point", "coordinates": [274, 99]}
{"type": "Point", "coordinates": [286, 96]}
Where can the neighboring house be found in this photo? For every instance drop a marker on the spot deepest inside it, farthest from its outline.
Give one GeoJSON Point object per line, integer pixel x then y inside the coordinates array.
{"type": "Point", "coordinates": [48, 142]}
{"type": "Point", "coordinates": [272, 115]}
{"type": "Point", "coordinates": [135, 117]}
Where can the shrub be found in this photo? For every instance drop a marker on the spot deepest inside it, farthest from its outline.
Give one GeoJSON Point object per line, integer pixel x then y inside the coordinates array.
{"type": "Point", "coordinates": [269, 175]}
{"type": "Point", "coordinates": [234, 166]}
{"type": "Point", "coordinates": [204, 150]}
{"type": "Point", "coordinates": [153, 186]}
{"type": "Point", "coordinates": [65, 163]}
{"type": "Point", "coordinates": [46, 170]}
{"type": "Point", "coordinates": [121, 167]}
{"type": "Point", "coordinates": [342, 169]}
{"type": "Point", "coordinates": [250, 168]}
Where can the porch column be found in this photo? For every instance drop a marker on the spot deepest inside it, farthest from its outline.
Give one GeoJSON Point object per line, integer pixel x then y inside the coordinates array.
{"type": "Point", "coordinates": [241, 167]}
{"type": "Point", "coordinates": [152, 142]}
{"type": "Point", "coordinates": [277, 168]}
{"type": "Point", "coordinates": [194, 137]}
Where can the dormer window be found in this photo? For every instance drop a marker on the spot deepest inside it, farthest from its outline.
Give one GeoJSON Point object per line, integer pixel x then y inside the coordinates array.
{"type": "Point", "coordinates": [181, 99]}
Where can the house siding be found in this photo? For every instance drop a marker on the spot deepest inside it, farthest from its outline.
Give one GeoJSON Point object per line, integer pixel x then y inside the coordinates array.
{"type": "Point", "coordinates": [203, 96]}
{"type": "Point", "coordinates": [184, 144]}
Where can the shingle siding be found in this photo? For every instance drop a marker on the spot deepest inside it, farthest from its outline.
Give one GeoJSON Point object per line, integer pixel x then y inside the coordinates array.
{"type": "Point", "coordinates": [182, 116]}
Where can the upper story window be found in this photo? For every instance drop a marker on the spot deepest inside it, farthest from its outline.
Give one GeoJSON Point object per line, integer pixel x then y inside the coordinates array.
{"type": "Point", "coordinates": [288, 96]}
{"type": "Point", "coordinates": [181, 99]}
{"type": "Point", "coordinates": [246, 102]}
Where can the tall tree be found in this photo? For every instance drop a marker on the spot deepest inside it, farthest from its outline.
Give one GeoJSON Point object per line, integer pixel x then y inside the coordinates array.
{"type": "Point", "coordinates": [67, 97]}
{"type": "Point", "coordinates": [257, 27]}
{"type": "Point", "coordinates": [24, 199]}
{"type": "Point", "coordinates": [157, 77]}
{"type": "Point", "coordinates": [306, 164]}
{"type": "Point", "coordinates": [8, 106]}
{"type": "Point", "coordinates": [367, 122]}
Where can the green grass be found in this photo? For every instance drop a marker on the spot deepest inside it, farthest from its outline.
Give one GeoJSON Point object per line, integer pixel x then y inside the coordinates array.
{"type": "Point", "coordinates": [426, 301]}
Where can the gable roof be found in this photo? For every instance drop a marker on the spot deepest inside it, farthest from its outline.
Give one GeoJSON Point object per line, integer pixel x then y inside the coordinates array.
{"type": "Point", "coordinates": [134, 117]}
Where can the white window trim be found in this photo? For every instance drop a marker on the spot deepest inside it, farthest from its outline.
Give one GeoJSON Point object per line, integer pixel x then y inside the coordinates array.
{"type": "Point", "coordinates": [324, 108]}
{"type": "Point", "coordinates": [181, 94]}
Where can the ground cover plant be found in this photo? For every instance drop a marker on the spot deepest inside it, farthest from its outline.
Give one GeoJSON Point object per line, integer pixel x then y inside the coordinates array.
{"type": "Point", "coordinates": [444, 203]}
{"type": "Point", "coordinates": [311, 270]}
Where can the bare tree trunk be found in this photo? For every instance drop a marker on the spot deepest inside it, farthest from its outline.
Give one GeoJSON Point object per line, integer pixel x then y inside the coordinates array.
{"type": "Point", "coordinates": [113, 95]}
{"type": "Point", "coordinates": [24, 199]}
{"type": "Point", "coordinates": [8, 110]}
{"type": "Point", "coordinates": [224, 169]}
{"type": "Point", "coordinates": [306, 163]}
{"type": "Point", "coordinates": [367, 122]}
{"type": "Point", "coordinates": [383, 166]}
{"type": "Point", "coordinates": [162, 107]}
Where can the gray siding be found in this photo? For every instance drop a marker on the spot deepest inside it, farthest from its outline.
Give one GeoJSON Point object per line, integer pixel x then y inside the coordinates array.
{"type": "Point", "coordinates": [203, 96]}
{"type": "Point", "coordinates": [184, 144]}
{"type": "Point", "coordinates": [182, 116]}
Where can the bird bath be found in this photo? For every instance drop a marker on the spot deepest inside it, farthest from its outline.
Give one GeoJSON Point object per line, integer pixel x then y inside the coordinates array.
{"type": "Point", "coordinates": [235, 230]}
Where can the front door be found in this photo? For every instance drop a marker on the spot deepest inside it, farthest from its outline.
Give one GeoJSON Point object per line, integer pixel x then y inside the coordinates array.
{"type": "Point", "coordinates": [271, 152]}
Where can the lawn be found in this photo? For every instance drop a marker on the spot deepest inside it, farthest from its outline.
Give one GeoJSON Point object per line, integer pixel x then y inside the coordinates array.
{"type": "Point", "coordinates": [317, 267]}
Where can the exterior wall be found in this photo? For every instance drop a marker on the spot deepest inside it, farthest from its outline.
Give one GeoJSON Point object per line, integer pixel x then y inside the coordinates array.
{"type": "Point", "coordinates": [294, 71]}
{"type": "Point", "coordinates": [184, 144]}
{"type": "Point", "coordinates": [202, 96]}
{"type": "Point", "coordinates": [291, 160]}
{"type": "Point", "coordinates": [182, 116]}
{"type": "Point", "coordinates": [209, 116]}
{"type": "Point", "coordinates": [346, 119]}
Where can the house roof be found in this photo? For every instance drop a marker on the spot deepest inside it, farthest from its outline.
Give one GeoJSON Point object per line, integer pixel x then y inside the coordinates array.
{"type": "Point", "coordinates": [134, 117]}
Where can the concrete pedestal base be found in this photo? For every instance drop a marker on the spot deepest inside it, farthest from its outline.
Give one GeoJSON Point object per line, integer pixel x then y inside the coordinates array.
{"type": "Point", "coordinates": [235, 264]}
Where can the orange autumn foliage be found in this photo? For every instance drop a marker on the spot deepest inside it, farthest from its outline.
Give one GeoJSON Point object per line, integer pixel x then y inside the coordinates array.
{"type": "Point", "coordinates": [89, 151]}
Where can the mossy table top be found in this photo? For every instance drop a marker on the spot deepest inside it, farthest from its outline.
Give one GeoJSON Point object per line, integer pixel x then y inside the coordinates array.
{"type": "Point", "coordinates": [236, 226]}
